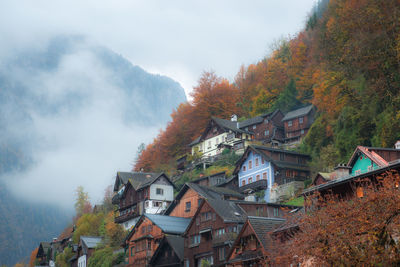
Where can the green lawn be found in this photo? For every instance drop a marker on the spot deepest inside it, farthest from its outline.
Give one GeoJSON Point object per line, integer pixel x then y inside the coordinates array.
{"type": "Point", "coordinates": [296, 202]}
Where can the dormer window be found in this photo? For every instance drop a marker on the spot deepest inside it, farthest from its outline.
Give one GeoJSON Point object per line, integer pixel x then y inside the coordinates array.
{"type": "Point", "coordinates": [159, 191]}
{"type": "Point", "coordinates": [256, 162]}
{"type": "Point", "coordinates": [244, 168]}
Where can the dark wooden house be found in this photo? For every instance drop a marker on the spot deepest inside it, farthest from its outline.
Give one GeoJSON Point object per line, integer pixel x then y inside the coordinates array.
{"type": "Point", "coordinates": [137, 193]}
{"type": "Point", "coordinates": [251, 246]}
{"type": "Point", "coordinates": [170, 252]}
{"type": "Point", "coordinates": [145, 237]}
{"type": "Point", "coordinates": [189, 198]}
{"type": "Point", "coordinates": [267, 128]}
{"type": "Point", "coordinates": [297, 123]}
{"type": "Point", "coordinates": [211, 232]}
{"type": "Point", "coordinates": [211, 180]}
{"type": "Point", "coordinates": [44, 253]}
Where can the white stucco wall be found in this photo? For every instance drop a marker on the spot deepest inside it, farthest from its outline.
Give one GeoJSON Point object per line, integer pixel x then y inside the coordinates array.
{"type": "Point", "coordinates": [82, 261]}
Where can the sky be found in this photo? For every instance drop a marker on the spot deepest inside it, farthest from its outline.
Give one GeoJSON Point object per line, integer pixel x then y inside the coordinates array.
{"type": "Point", "coordinates": [180, 39]}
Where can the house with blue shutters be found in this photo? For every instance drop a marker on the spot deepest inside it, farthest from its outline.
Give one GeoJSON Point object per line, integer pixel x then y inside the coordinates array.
{"type": "Point", "coordinates": [263, 168]}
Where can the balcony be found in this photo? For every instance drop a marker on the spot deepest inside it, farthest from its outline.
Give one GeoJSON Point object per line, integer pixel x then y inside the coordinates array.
{"type": "Point", "coordinates": [221, 239]}
{"type": "Point", "coordinates": [125, 217]}
{"type": "Point", "coordinates": [257, 185]}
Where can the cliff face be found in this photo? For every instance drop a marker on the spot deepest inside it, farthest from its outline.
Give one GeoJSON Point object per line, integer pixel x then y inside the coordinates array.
{"type": "Point", "coordinates": [63, 81]}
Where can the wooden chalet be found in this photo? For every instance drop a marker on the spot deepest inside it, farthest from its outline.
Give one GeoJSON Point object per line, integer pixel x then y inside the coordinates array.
{"type": "Point", "coordinates": [218, 135]}
{"type": "Point", "coordinates": [44, 253]}
{"type": "Point", "coordinates": [169, 253]}
{"type": "Point", "coordinates": [230, 183]}
{"type": "Point", "coordinates": [365, 163]}
{"type": "Point", "coordinates": [189, 198]}
{"type": "Point", "coordinates": [252, 243]}
{"type": "Point", "coordinates": [86, 248]}
{"type": "Point", "coordinates": [264, 209]}
{"type": "Point", "coordinates": [211, 232]}
{"type": "Point", "coordinates": [267, 128]}
{"type": "Point", "coordinates": [261, 168]}
{"type": "Point", "coordinates": [145, 237]}
{"type": "Point", "coordinates": [297, 123]}
{"type": "Point", "coordinates": [137, 193]}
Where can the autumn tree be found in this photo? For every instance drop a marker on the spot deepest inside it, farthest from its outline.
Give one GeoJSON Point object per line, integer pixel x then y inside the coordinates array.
{"type": "Point", "coordinates": [32, 259]}
{"type": "Point", "coordinates": [82, 204]}
{"type": "Point", "coordinates": [360, 231]}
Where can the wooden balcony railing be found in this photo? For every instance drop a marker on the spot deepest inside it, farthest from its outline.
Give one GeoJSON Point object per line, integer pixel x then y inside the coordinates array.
{"type": "Point", "coordinates": [224, 238]}
{"type": "Point", "coordinates": [257, 185]}
{"type": "Point", "coordinates": [125, 217]}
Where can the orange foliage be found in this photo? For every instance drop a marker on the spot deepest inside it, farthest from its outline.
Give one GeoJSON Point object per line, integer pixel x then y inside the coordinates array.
{"type": "Point", "coordinates": [33, 257]}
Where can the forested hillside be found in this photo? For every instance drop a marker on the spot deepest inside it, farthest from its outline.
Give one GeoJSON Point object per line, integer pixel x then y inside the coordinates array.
{"type": "Point", "coordinates": [345, 62]}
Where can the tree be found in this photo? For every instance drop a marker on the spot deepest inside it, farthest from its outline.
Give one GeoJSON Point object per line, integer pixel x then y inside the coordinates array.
{"type": "Point", "coordinates": [33, 257]}
{"type": "Point", "coordinates": [82, 204]}
{"type": "Point", "coordinates": [360, 231]}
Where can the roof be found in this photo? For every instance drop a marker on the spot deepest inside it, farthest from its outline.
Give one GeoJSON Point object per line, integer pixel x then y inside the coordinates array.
{"type": "Point", "coordinates": [229, 211]}
{"type": "Point", "coordinates": [257, 119]}
{"type": "Point", "coordinates": [195, 141]}
{"type": "Point", "coordinates": [297, 113]}
{"type": "Point", "coordinates": [349, 178]}
{"type": "Point", "coordinates": [264, 225]}
{"type": "Point", "coordinates": [228, 125]}
{"type": "Point", "coordinates": [208, 192]}
{"type": "Point", "coordinates": [66, 234]}
{"type": "Point", "coordinates": [169, 224]}
{"type": "Point", "coordinates": [371, 154]}
{"type": "Point", "coordinates": [281, 164]}
{"type": "Point", "coordinates": [91, 241]}
{"type": "Point", "coordinates": [176, 242]}
{"type": "Point", "coordinates": [138, 180]}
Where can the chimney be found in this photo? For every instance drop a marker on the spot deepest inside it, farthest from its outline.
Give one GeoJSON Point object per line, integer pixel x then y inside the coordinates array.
{"type": "Point", "coordinates": [397, 145]}
{"type": "Point", "coordinates": [148, 176]}
{"type": "Point", "coordinates": [340, 171]}
{"type": "Point", "coordinates": [234, 117]}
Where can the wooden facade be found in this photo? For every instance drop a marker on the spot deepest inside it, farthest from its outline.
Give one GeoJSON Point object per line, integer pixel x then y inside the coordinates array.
{"type": "Point", "coordinates": [187, 205]}
{"type": "Point", "coordinates": [143, 242]}
{"type": "Point", "coordinates": [169, 252]}
{"type": "Point", "coordinates": [297, 123]}
{"type": "Point", "coordinates": [210, 232]}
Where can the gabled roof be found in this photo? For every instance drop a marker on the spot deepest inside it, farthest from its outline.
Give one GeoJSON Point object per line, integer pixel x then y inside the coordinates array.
{"type": "Point", "coordinates": [257, 119]}
{"type": "Point", "coordinates": [176, 242]}
{"type": "Point", "coordinates": [298, 113]}
{"type": "Point", "coordinates": [195, 141]}
{"type": "Point", "coordinates": [89, 242]}
{"type": "Point", "coordinates": [263, 225]}
{"type": "Point", "coordinates": [66, 234]}
{"type": "Point", "coordinates": [282, 164]}
{"type": "Point", "coordinates": [228, 125]}
{"type": "Point", "coordinates": [209, 192]}
{"type": "Point", "coordinates": [227, 210]}
{"type": "Point", "coordinates": [138, 180]}
{"type": "Point", "coordinates": [43, 249]}
{"type": "Point", "coordinates": [167, 224]}
{"type": "Point", "coordinates": [370, 153]}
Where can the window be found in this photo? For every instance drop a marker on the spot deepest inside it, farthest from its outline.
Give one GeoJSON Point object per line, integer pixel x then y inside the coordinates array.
{"type": "Point", "coordinates": [197, 221]}
{"type": "Point", "coordinates": [146, 204]}
{"type": "Point", "coordinates": [266, 132]}
{"type": "Point", "coordinates": [265, 120]}
{"type": "Point", "coordinates": [247, 129]}
{"type": "Point", "coordinates": [256, 162]}
{"type": "Point", "coordinates": [149, 228]}
{"type": "Point", "coordinates": [254, 127]}
{"type": "Point", "coordinates": [258, 177]}
{"type": "Point", "coordinates": [370, 168]}
{"type": "Point", "coordinates": [250, 164]}
{"type": "Point", "coordinates": [262, 161]}
{"type": "Point", "coordinates": [289, 123]}
{"type": "Point", "coordinates": [215, 129]}
{"type": "Point", "coordinates": [281, 156]}
{"type": "Point", "coordinates": [243, 182]}
{"type": "Point", "coordinates": [221, 253]}
{"type": "Point", "coordinates": [160, 191]}
{"type": "Point", "coordinates": [301, 120]}
{"type": "Point", "coordinates": [276, 212]}
{"type": "Point", "coordinates": [217, 141]}
{"type": "Point", "coordinates": [357, 172]}
{"type": "Point", "coordinates": [244, 168]}
{"type": "Point", "coordinates": [302, 131]}
{"type": "Point", "coordinates": [360, 192]}
{"type": "Point", "coordinates": [145, 193]}
{"type": "Point", "coordinates": [132, 251]}
{"type": "Point", "coordinates": [143, 229]}
{"type": "Point", "coordinates": [199, 202]}
{"type": "Point", "coordinates": [265, 176]}
{"type": "Point", "coordinates": [250, 179]}
{"type": "Point", "coordinates": [157, 203]}
{"type": "Point", "coordinates": [187, 263]}
{"type": "Point", "coordinates": [149, 245]}
{"type": "Point", "coordinates": [187, 206]}
{"type": "Point", "coordinates": [219, 232]}
{"type": "Point", "coordinates": [206, 216]}
{"type": "Point", "coordinates": [222, 139]}
{"type": "Point", "coordinates": [195, 239]}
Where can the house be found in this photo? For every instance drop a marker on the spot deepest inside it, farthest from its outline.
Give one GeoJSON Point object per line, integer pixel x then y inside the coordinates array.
{"type": "Point", "coordinates": [297, 123]}
{"type": "Point", "coordinates": [190, 196]}
{"type": "Point", "coordinates": [44, 253]}
{"type": "Point", "coordinates": [365, 163]}
{"type": "Point", "coordinates": [230, 183]}
{"type": "Point", "coordinates": [321, 178]}
{"type": "Point", "coordinates": [137, 193]}
{"type": "Point", "coordinates": [218, 135]}
{"type": "Point", "coordinates": [264, 209]}
{"type": "Point", "coordinates": [267, 128]}
{"type": "Point", "coordinates": [264, 169]}
{"type": "Point", "coordinates": [170, 252]}
{"type": "Point", "coordinates": [211, 180]}
{"type": "Point", "coordinates": [147, 234]}
{"type": "Point", "coordinates": [86, 248]}
{"type": "Point", "coordinates": [252, 243]}
{"type": "Point", "coordinates": [211, 231]}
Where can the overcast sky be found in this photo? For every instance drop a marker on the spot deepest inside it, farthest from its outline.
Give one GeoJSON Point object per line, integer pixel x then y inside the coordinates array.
{"type": "Point", "coordinates": [179, 39]}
